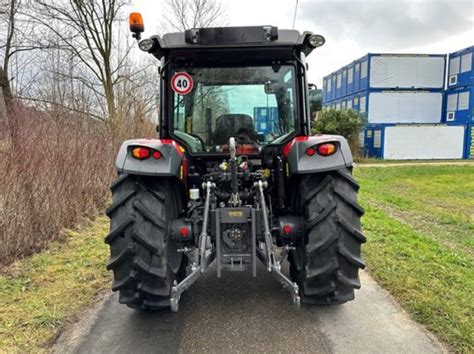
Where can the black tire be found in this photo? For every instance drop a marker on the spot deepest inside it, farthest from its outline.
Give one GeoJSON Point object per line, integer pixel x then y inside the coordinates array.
{"type": "Point", "coordinates": [326, 263]}
{"type": "Point", "coordinates": [143, 257]}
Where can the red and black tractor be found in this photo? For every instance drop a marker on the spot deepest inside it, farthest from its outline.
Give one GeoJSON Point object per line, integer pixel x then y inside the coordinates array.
{"type": "Point", "coordinates": [235, 176]}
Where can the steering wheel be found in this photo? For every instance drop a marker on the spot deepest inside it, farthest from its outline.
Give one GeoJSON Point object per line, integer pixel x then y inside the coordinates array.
{"type": "Point", "coordinates": [244, 139]}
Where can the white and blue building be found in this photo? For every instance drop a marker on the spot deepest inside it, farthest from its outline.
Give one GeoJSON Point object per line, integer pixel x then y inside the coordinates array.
{"type": "Point", "coordinates": [410, 114]}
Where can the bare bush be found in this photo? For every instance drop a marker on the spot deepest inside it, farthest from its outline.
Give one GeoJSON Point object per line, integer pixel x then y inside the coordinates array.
{"type": "Point", "coordinates": [55, 169]}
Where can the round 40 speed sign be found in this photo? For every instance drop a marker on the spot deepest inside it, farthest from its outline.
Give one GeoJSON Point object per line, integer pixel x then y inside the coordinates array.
{"type": "Point", "coordinates": [182, 83]}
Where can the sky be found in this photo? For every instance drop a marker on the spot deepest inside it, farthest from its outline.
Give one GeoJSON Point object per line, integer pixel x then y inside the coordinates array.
{"type": "Point", "coordinates": [352, 28]}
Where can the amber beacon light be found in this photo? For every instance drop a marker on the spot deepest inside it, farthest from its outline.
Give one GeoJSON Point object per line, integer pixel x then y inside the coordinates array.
{"type": "Point", "coordinates": [136, 24]}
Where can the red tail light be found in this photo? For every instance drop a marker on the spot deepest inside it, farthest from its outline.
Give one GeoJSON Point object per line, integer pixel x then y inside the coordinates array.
{"type": "Point", "coordinates": [327, 149]}
{"type": "Point", "coordinates": [141, 153]}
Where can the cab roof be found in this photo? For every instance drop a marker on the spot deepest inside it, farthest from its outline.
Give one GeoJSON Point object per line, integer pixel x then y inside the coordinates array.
{"type": "Point", "coordinates": [231, 38]}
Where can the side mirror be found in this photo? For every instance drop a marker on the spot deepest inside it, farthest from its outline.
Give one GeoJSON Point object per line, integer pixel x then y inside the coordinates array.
{"type": "Point", "coordinates": [270, 87]}
{"type": "Point", "coordinates": [312, 87]}
{"type": "Point", "coordinates": [136, 24]}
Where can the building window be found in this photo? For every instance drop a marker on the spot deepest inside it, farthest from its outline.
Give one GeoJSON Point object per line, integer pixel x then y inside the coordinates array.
{"type": "Point", "coordinates": [363, 100]}
{"type": "Point", "coordinates": [454, 66]}
{"type": "Point", "coordinates": [350, 76]}
{"type": "Point", "coordinates": [452, 103]}
{"type": "Point", "coordinates": [466, 62]}
{"type": "Point", "coordinates": [363, 69]}
{"type": "Point", "coordinates": [463, 101]}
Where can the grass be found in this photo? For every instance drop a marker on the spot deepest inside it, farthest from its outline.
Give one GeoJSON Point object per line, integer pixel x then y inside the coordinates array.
{"type": "Point", "coordinates": [420, 226]}
{"type": "Point", "coordinates": [42, 293]}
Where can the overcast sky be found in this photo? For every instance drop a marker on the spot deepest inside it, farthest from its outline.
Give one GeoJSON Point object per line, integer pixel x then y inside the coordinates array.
{"type": "Point", "coordinates": [352, 27]}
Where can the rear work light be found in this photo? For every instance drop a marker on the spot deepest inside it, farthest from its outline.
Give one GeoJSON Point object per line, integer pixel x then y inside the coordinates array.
{"type": "Point", "coordinates": [143, 153]}
{"type": "Point", "coordinates": [326, 149]}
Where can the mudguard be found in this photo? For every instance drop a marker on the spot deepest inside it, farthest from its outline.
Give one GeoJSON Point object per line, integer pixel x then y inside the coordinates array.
{"type": "Point", "coordinates": [169, 164]}
{"type": "Point", "coordinates": [299, 162]}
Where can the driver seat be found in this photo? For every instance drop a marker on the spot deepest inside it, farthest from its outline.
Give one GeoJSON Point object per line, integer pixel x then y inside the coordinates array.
{"type": "Point", "coordinates": [230, 125]}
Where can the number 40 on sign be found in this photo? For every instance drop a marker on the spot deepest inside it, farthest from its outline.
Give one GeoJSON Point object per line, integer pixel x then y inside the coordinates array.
{"type": "Point", "coordinates": [182, 83]}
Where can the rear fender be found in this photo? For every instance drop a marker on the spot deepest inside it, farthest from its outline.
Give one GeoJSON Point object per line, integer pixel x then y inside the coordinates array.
{"type": "Point", "coordinates": [299, 162]}
{"type": "Point", "coordinates": [171, 163]}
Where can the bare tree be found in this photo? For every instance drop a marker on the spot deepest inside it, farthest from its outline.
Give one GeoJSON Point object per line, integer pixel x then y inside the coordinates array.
{"type": "Point", "coordinates": [19, 37]}
{"type": "Point", "coordinates": [87, 30]}
{"type": "Point", "coordinates": [8, 13]}
{"type": "Point", "coordinates": [3, 111]}
{"type": "Point", "coordinates": [186, 14]}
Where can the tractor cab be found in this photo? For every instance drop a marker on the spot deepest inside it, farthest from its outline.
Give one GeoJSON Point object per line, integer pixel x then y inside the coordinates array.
{"type": "Point", "coordinates": [243, 82]}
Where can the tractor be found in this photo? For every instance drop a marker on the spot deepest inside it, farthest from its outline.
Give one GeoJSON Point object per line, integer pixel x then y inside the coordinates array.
{"type": "Point", "coordinates": [235, 176]}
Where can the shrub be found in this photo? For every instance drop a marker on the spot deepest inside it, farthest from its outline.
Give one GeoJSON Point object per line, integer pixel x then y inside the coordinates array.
{"type": "Point", "coordinates": [55, 169]}
{"type": "Point", "coordinates": [346, 122]}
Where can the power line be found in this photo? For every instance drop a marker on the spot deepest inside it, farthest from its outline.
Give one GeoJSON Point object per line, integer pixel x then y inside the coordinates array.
{"type": "Point", "coordinates": [294, 17]}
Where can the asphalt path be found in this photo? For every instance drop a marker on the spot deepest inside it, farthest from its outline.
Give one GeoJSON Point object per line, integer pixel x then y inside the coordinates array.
{"type": "Point", "coordinates": [238, 313]}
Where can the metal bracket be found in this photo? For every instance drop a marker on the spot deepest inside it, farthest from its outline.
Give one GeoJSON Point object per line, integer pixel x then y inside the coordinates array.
{"type": "Point", "coordinates": [203, 237]}
{"type": "Point", "coordinates": [287, 284]}
{"type": "Point", "coordinates": [274, 265]}
{"type": "Point", "coordinates": [184, 285]}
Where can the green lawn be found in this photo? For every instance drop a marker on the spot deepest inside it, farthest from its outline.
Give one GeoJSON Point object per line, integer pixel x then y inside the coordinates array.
{"type": "Point", "coordinates": [419, 223]}
{"type": "Point", "coordinates": [42, 293]}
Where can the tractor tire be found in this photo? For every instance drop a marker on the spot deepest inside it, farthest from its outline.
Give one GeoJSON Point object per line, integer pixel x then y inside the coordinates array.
{"type": "Point", "coordinates": [143, 257]}
{"type": "Point", "coordinates": [326, 262]}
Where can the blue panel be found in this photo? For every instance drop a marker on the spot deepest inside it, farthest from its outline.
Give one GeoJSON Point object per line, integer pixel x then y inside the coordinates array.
{"type": "Point", "coordinates": [461, 68]}
{"type": "Point", "coordinates": [459, 105]}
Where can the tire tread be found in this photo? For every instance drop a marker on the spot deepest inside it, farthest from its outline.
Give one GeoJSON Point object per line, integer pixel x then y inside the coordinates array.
{"type": "Point", "coordinates": [326, 268]}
